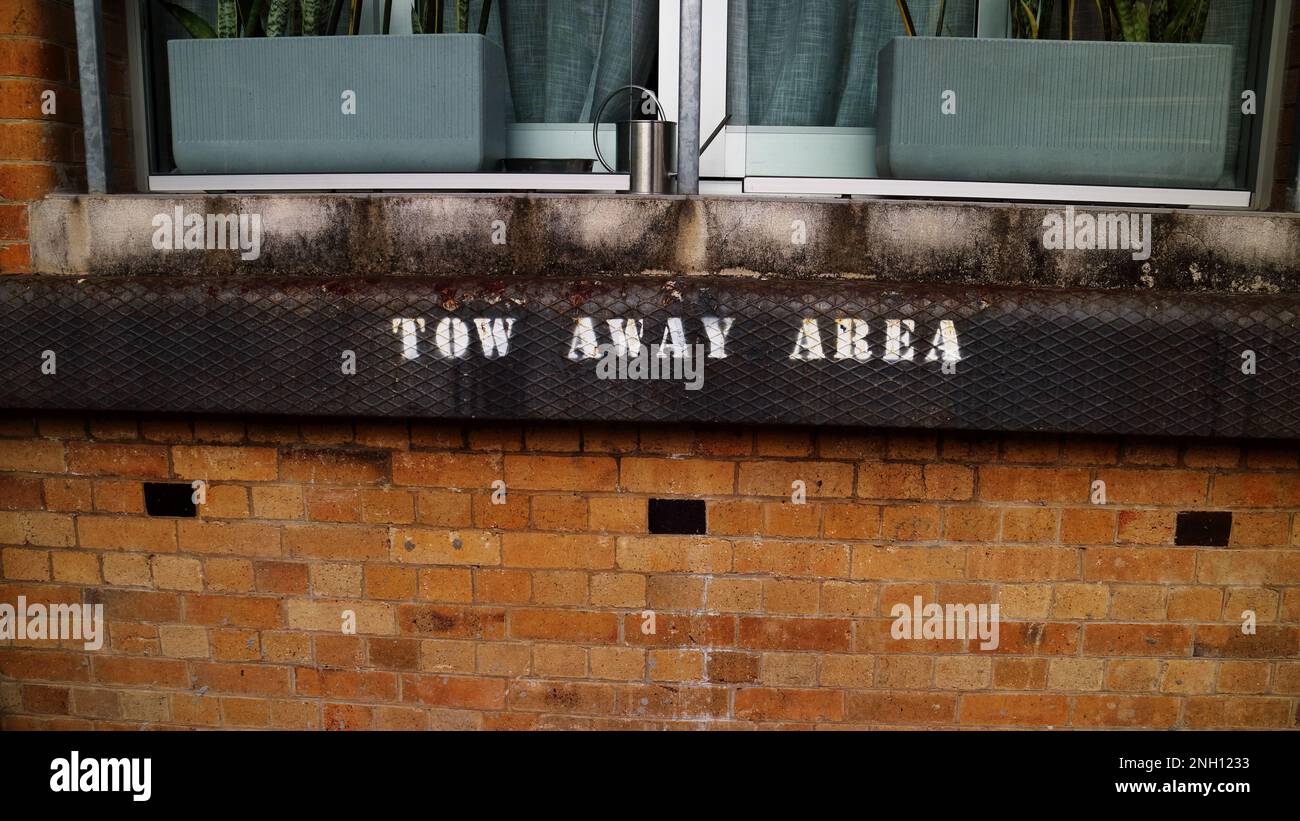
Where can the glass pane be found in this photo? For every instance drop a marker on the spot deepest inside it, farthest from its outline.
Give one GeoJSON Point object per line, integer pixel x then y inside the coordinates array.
{"type": "Point", "coordinates": [520, 98]}
{"type": "Point", "coordinates": [838, 88]}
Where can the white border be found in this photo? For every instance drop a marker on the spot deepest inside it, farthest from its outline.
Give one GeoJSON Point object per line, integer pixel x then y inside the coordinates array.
{"type": "Point", "coordinates": [487, 181]}
{"type": "Point", "coordinates": [942, 189]}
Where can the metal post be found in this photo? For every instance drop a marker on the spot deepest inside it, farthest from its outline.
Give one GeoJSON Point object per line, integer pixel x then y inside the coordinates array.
{"type": "Point", "coordinates": [94, 92]}
{"type": "Point", "coordinates": [688, 109]}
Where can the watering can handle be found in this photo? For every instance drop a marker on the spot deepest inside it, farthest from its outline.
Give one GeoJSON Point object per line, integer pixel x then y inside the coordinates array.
{"type": "Point", "coordinates": [595, 124]}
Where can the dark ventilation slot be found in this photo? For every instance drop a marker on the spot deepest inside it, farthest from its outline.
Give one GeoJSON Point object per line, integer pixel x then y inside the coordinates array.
{"type": "Point", "coordinates": [681, 516]}
{"type": "Point", "coordinates": [1203, 528]}
{"type": "Point", "coordinates": [164, 499]}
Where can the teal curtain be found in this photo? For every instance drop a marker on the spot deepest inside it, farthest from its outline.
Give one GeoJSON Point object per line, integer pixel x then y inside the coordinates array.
{"type": "Point", "coordinates": [565, 56]}
{"type": "Point", "coordinates": [813, 62]}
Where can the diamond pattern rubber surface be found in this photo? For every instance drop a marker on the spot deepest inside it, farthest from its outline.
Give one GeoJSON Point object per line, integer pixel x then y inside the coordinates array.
{"type": "Point", "coordinates": [1030, 360]}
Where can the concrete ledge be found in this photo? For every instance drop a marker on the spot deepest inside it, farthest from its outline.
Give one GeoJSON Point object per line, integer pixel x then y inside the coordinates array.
{"type": "Point", "coordinates": [609, 235]}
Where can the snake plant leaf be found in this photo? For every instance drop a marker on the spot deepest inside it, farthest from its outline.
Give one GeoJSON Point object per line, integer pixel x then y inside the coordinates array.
{"type": "Point", "coordinates": [484, 14]}
{"type": "Point", "coordinates": [462, 16]}
{"type": "Point", "coordinates": [908, 25]}
{"type": "Point", "coordinates": [415, 21]}
{"type": "Point", "coordinates": [312, 19]}
{"type": "Point", "coordinates": [1186, 23]}
{"type": "Point", "coordinates": [277, 17]}
{"type": "Point", "coordinates": [1134, 20]}
{"type": "Point", "coordinates": [250, 15]}
{"type": "Point", "coordinates": [1029, 16]}
{"type": "Point", "coordinates": [227, 18]}
{"type": "Point", "coordinates": [336, 11]}
{"type": "Point", "coordinates": [354, 19]}
{"type": "Point", "coordinates": [197, 27]}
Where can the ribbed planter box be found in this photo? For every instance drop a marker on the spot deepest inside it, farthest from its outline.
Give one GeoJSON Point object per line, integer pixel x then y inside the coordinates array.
{"type": "Point", "coordinates": [1100, 113]}
{"type": "Point", "coordinates": [424, 103]}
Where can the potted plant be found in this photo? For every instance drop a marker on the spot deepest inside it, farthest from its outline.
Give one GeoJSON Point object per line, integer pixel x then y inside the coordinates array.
{"type": "Point", "coordinates": [1149, 106]}
{"type": "Point", "coordinates": [248, 98]}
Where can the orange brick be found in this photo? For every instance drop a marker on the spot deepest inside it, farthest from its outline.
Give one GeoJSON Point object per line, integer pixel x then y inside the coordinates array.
{"type": "Point", "coordinates": [210, 463]}
{"type": "Point", "coordinates": [1137, 640]}
{"type": "Point", "coordinates": [387, 506]}
{"type": "Point", "coordinates": [874, 562]}
{"type": "Point", "coordinates": [1004, 709]}
{"type": "Point", "coordinates": [1146, 526]}
{"type": "Point", "coordinates": [229, 538]}
{"type": "Point", "coordinates": [444, 508]}
{"type": "Point", "coordinates": [1139, 564]}
{"type": "Point", "coordinates": [31, 456]}
{"type": "Point", "coordinates": [127, 533]}
{"type": "Point", "coordinates": [794, 634]}
{"type": "Point", "coordinates": [563, 625]}
{"type": "Point", "coordinates": [454, 470]}
{"type": "Point", "coordinates": [948, 482]}
{"type": "Point", "coordinates": [1029, 524]}
{"type": "Point", "coordinates": [539, 550]}
{"type": "Point", "coordinates": [98, 459]}
{"type": "Point", "coordinates": [228, 575]}
{"type": "Point", "coordinates": [970, 524]}
{"type": "Point", "coordinates": [598, 473]}
{"type": "Point", "coordinates": [277, 502]}
{"type": "Point", "coordinates": [617, 514]}
{"type": "Point", "coordinates": [1020, 484]}
{"type": "Point", "coordinates": [851, 521]}
{"type": "Point", "coordinates": [900, 708]}
{"type": "Point", "coordinates": [677, 476]}
{"type": "Point", "coordinates": [286, 578]}
{"type": "Point", "coordinates": [771, 704]}
{"type": "Point", "coordinates": [242, 678]}
{"type": "Point", "coordinates": [734, 518]}
{"type": "Point", "coordinates": [821, 479]}
{"type": "Point", "coordinates": [140, 671]}
{"type": "Point", "coordinates": [1125, 711]}
{"type": "Point", "coordinates": [234, 611]}
{"type": "Point", "coordinates": [559, 512]}
{"type": "Point", "coordinates": [333, 466]}
{"type": "Point", "coordinates": [674, 554]}
{"type": "Point", "coordinates": [388, 582]}
{"type": "Point", "coordinates": [1087, 526]}
{"type": "Point", "coordinates": [20, 493]}
{"type": "Point", "coordinates": [785, 519]}
{"type": "Point", "coordinates": [910, 523]}
{"type": "Point", "coordinates": [336, 542]}
{"type": "Point", "coordinates": [333, 504]}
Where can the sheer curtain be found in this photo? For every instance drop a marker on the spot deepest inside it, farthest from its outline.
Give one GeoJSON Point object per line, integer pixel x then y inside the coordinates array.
{"type": "Point", "coordinates": [562, 56]}
{"type": "Point", "coordinates": [813, 62]}
{"type": "Point", "coordinates": [565, 56]}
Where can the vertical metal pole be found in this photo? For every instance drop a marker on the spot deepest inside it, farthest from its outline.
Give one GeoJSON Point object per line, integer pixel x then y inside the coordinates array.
{"type": "Point", "coordinates": [94, 92]}
{"type": "Point", "coordinates": [688, 109]}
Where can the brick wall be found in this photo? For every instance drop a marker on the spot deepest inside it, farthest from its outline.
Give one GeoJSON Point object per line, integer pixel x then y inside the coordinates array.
{"type": "Point", "coordinates": [39, 152]}
{"type": "Point", "coordinates": [531, 613]}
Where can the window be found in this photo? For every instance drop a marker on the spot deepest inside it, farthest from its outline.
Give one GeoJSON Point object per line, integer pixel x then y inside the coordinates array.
{"type": "Point", "coordinates": [984, 99]}
{"type": "Point", "coordinates": [358, 109]}
{"type": "Point", "coordinates": [834, 97]}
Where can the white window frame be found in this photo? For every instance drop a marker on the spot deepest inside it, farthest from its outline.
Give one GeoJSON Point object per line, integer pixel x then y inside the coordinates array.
{"type": "Point", "coordinates": [724, 164]}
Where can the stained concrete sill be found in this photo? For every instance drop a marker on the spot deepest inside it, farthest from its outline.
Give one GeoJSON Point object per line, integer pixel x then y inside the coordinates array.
{"type": "Point", "coordinates": [441, 235]}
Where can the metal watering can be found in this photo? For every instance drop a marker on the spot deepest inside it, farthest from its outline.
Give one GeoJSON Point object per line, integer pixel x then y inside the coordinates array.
{"type": "Point", "coordinates": [646, 150]}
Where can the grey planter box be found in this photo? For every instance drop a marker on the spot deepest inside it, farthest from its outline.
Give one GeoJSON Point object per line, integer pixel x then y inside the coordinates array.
{"type": "Point", "coordinates": [1099, 113]}
{"type": "Point", "coordinates": [431, 102]}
